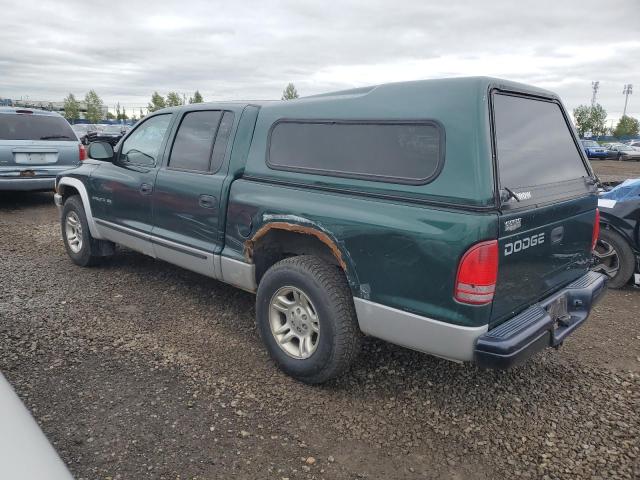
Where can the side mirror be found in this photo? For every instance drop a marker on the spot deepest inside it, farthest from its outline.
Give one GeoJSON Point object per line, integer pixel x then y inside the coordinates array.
{"type": "Point", "coordinates": [100, 151]}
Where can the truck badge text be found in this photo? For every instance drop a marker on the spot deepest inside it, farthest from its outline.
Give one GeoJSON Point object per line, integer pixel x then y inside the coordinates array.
{"type": "Point", "coordinates": [523, 243]}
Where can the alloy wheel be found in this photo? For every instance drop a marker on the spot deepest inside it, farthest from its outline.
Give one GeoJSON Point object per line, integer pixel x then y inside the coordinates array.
{"type": "Point", "coordinates": [294, 322]}
{"type": "Point", "coordinates": [607, 259]}
{"type": "Point", "coordinates": [73, 231]}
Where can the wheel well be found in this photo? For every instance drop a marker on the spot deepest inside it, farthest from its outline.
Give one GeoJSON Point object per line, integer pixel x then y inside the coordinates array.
{"type": "Point", "coordinates": [67, 191]}
{"type": "Point", "coordinates": [275, 244]}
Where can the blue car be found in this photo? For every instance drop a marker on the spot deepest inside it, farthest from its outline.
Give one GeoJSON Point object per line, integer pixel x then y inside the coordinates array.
{"type": "Point", "coordinates": [35, 145]}
{"type": "Point", "coordinates": [594, 150]}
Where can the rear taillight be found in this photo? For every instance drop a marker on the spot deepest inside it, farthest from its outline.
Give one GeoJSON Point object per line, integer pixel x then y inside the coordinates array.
{"type": "Point", "coordinates": [82, 151]}
{"type": "Point", "coordinates": [478, 274]}
{"type": "Point", "coordinates": [596, 231]}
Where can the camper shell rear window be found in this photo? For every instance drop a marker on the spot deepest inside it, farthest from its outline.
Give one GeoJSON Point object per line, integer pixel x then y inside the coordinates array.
{"type": "Point", "coordinates": [534, 144]}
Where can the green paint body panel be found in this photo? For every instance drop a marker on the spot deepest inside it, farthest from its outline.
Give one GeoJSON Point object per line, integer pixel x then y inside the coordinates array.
{"type": "Point", "coordinates": [401, 243]}
{"type": "Point", "coordinates": [533, 273]}
{"type": "Point", "coordinates": [403, 256]}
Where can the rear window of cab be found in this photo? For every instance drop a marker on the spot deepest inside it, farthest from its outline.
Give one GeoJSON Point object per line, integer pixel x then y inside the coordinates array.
{"type": "Point", "coordinates": [409, 152]}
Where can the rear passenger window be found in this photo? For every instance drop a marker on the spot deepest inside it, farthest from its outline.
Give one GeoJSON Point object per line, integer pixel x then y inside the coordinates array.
{"type": "Point", "coordinates": [193, 146]}
{"type": "Point", "coordinates": [220, 148]}
{"type": "Point", "coordinates": [398, 152]}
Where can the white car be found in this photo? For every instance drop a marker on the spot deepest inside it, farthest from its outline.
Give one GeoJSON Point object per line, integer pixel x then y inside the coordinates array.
{"type": "Point", "coordinates": [25, 453]}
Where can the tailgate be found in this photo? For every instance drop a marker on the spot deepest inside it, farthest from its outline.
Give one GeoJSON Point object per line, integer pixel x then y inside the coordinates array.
{"type": "Point", "coordinates": [541, 250]}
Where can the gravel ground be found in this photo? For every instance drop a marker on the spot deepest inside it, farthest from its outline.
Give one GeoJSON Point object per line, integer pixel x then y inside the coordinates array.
{"type": "Point", "coordinates": [614, 171]}
{"type": "Point", "coordinates": [139, 370]}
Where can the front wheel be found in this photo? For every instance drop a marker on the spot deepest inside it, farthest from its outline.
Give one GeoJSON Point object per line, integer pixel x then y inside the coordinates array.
{"type": "Point", "coordinates": [306, 319]}
{"type": "Point", "coordinates": [613, 257]}
{"type": "Point", "coordinates": [81, 247]}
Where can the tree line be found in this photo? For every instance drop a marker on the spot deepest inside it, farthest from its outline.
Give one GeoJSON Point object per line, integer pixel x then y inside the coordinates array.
{"type": "Point", "coordinates": [95, 105]}
{"type": "Point", "coordinates": [173, 99]}
{"type": "Point", "coordinates": [593, 119]}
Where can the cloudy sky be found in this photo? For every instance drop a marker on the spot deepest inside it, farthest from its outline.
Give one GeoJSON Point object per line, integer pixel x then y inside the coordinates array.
{"type": "Point", "coordinates": [250, 50]}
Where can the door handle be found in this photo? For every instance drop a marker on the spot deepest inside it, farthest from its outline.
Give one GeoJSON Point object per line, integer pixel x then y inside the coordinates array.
{"type": "Point", "coordinates": [207, 201]}
{"type": "Point", "coordinates": [146, 189]}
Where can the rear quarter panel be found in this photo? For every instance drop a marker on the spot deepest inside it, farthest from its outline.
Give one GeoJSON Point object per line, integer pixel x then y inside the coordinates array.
{"type": "Point", "coordinates": [401, 255]}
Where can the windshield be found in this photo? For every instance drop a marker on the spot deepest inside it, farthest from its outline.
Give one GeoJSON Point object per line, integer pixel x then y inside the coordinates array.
{"type": "Point", "coordinates": [534, 143]}
{"type": "Point", "coordinates": [590, 143]}
{"type": "Point", "coordinates": [23, 126]}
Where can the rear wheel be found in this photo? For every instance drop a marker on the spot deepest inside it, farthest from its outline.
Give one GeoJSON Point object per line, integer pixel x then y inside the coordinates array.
{"type": "Point", "coordinates": [614, 257]}
{"type": "Point", "coordinates": [306, 318]}
{"type": "Point", "coordinates": [83, 249]}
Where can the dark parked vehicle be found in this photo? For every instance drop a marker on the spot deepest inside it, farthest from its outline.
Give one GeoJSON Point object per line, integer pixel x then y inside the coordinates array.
{"type": "Point", "coordinates": [35, 146]}
{"type": "Point", "coordinates": [594, 150]}
{"type": "Point", "coordinates": [411, 212]}
{"type": "Point", "coordinates": [624, 152]}
{"type": "Point", "coordinates": [110, 133]}
{"type": "Point", "coordinates": [617, 252]}
{"type": "Point", "coordinates": [86, 132]}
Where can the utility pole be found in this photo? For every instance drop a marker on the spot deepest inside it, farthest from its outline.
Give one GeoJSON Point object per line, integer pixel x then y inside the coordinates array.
{"type": "Point", "coordinates": [626, 91]}
{"type": "Point", "coordinates": [594, 86]}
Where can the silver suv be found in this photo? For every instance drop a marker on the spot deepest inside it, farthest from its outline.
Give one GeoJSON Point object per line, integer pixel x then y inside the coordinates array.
{"type": "Point", "coordinates": [35, 145]}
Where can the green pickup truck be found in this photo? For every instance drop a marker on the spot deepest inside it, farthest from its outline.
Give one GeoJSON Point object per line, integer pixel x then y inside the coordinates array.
{"type": "Point", "coordinates": [455, 217]}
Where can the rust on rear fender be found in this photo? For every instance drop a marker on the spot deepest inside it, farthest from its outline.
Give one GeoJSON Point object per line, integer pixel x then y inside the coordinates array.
{"type": "Point", "coordinates": [293, 227]}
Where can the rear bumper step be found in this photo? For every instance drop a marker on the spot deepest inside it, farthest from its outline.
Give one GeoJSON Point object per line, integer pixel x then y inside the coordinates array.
{"type": "Point", "coordinates": [545, 324]}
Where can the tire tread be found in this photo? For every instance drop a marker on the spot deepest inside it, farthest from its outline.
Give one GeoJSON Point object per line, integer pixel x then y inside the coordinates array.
{"type": "Point", "coordinates": [87, 257]}
{"type": "Point", "coordinates": [625, 257]}
{"type": "Point", "coordinates": [348, 337]}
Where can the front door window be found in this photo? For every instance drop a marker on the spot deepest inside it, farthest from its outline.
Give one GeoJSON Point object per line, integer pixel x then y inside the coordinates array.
{"type": "Point", "coordinates": [142, 147]}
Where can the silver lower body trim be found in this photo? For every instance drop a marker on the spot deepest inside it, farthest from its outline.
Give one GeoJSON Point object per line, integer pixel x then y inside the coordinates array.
{"type": "Point", "coordinates": [203, 263]}
{"type": "Point", "coordinates": [132, 239]}
{"type": "Point", "coordinates": [453, 342]}
{"type": "Point", "coordinates": [240, 274]}
{"type": "Point", "coordinates": [234, 272]}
